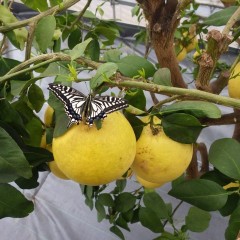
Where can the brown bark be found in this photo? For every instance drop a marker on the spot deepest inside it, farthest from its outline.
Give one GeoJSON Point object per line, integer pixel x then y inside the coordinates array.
{"type": "Point", "coordinates": [192, 170]}
{"type": "Point", "coordinates": [163, 18]}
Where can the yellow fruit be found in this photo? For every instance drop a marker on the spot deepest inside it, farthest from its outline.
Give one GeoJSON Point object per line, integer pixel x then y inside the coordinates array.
{"type": "Point", "coordinates": [127, 174]}
{"type": "Point", "coordinates": [56, 171]}
{"type": "Point", "coordinates": [192, 45]}
{"type": "Point", "coordinates": [43, 143]}
{"type": "Point", "coordinates": [94, 157]}
{"type": "Point", "coordinates": [54, 168]}
{"type": "Point", "coordinates": [231, 185]}
{"type": "Point", "coordinates": [197, 55]}
{"type": "Point", "coordinates": [48, 116]}
{"type": "Point", "coordinates": [234, 82]}
{"type": "Point", "coordinates": [147, 184]}
{"type": "Point", "coordinates": [159, 159]}
{"type": "Point", "coordinates": [181, 54]}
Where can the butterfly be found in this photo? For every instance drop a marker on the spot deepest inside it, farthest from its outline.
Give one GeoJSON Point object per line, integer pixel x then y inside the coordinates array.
{"type": "Point", "coordinates": [85, 108]}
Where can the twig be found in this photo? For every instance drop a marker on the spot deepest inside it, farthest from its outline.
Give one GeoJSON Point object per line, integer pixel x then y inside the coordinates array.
{"type": "Point", "coordinates": [81, 14]}
{"type": "Point", "coordinates": [175, 209]}
{"type": "Point", "coordinates": [201, 147]}
{"type": "Point", "coordinates": [54, 10]}
{"type": "Point", "coordinates": [30, 40]}
{"type": "Point", "coordinates": [234, 18]}
{"type": "Point", "coordinates": [167, 100]}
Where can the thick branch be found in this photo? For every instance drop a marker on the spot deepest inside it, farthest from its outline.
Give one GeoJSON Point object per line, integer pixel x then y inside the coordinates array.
{"type": "Point", "coordinates": [163, 18]}
{"type": "Point", "coordinates": [217, 44]}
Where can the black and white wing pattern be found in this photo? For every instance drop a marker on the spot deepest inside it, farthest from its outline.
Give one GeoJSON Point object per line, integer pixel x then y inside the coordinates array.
{"type": "Point", "coordinates": [85, 108]}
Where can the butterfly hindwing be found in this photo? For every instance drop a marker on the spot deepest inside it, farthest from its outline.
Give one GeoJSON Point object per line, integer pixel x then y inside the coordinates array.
{"type": "Point", "coordinates": [79, 107]}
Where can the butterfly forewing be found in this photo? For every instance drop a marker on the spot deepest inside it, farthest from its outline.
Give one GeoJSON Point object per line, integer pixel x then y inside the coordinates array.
{"type": "Point", "coordinates": [79, 107]}
{"type": "Point", "coordinates": [72, 99]}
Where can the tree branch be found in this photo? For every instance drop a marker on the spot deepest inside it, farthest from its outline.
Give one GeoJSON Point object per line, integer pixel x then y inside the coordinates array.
{"type": "Point", "coordinates": [52, 11]}
{"type": "Point", "coordinates": [217, 44]}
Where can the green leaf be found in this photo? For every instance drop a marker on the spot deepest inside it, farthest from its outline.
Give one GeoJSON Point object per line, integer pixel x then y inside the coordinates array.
{"type": "Point", "coordinates": [30, 183]}
{"type": "Point", "coordinates": [136, 98]}
{"type": "Point", "coordinates": [104, 72]}
{"type": "Point", "coordinates": [162, 77]}
{"type": "Point", "coordinates": [74, 38]}
{"type": "Point", "coordinates": [182, 127]}
{"type": "Point", "coordinates": [232, 230]}
{"type": "Point", "coordinates": [34, 127]}
{"type": "Point", "coordinates": [154, 202]}
{"type": "Point", "coordinates": [198, 109]}
{"type": "Point", "coordinates": [106, 199]}
{"type": "Point", "coordinates": [36, 97]}
{"type": "Point", "coordinates": [16, 87]}
{"type": "Point", "coordinates": [121, 222]}
{"type": "Point", "coordinates": [149, 219]}
{"type": "Point", "coordinates": [13, 203]}
{"type": "Point", "coordinates": [217, 177]}
{"type": "Point", "coordinates": [44, 32]}
{"type": "Point", "coordinates": [61, 119]}
{"type": "Point", "coordinates": [224, 155]}
{"type": "Point", "coordinates": [130, 66]}
{"type": "Point", "coordinates": [79, 49]}
{"type": "Point", "coordinates": [204, 194]}
{"type": "Point", "coordinates": [221, 17]}
{"type": "Point", "coordinates": [93, 50]}
{"type": "Point", "coordinates": [112, 55]}
{"type": "Point", "coordinates": [109, 33]}
{"type": "Point", "coordinates": [120, 185]}
{"type": "Point", "coordinates": [51, 70]}
{"type": "Point", "coordinates": [10, 116]}
{"type": "Point", "coordinates": [55, 2]}
{"type": "Point", "coordinates": [197, 220]}
{"type": "Point", "coordinates": [36, 4]}
{"type": "Point", "coordinates": [7, 64]}
{"type": "Point", "coordinates": [136, 123]}
{"type": "Point", "coordinates": [13, 163]}
{"type": "Point", "coordinates": [36, 155]}
{"type": "Point", "coordinates": [230, 206]}
{"type": "Point", "coordinates": [18, 36]}
{"type": "Point", "coordinates": [100, 210]}
{"type": "Point", "coordinates": [124, 202]}
{"type": "Point", "coordinates": [117, 231]}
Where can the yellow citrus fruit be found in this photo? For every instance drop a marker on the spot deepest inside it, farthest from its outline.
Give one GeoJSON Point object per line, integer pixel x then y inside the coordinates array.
{"type": "Point", "coordinates": [54, 168]}
{"type": "Point", "coordinates": [234, 82]}
{"type": "Point", "coordinates": [192, 45]}
{"type": "Point", "coordinates": [56, 171]}
{"type": "Point", "coordinates": [159, 159]}
{"type": "Point", "coordinates": [94, 157]}
{"type": "Point", "coordinates": [48, 116]}
{"type": "Point", "coordinates": [181, 54]}
{"type": "Point", "coordinates": [231, 185]}
{"type": "Point", "coordinates": [196, 55]}
{"type": "Point", "coordinates": [148, 184]}
{"type": "Point", "coordinates": [43, 142]}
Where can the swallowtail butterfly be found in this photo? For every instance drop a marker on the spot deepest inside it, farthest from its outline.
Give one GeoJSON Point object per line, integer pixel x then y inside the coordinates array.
{"type": "Point", "coordinates": [85, 108]}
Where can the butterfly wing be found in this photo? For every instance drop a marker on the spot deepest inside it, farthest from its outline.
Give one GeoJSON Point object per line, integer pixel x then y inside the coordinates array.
{"type": "Point", "coordinates": [73, 100]}
{"type": "Point", "coordinates": [101, 106]}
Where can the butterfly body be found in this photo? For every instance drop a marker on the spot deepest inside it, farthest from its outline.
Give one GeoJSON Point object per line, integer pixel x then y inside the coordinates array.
{"type": "Point", "coordinates": [85, 108]}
